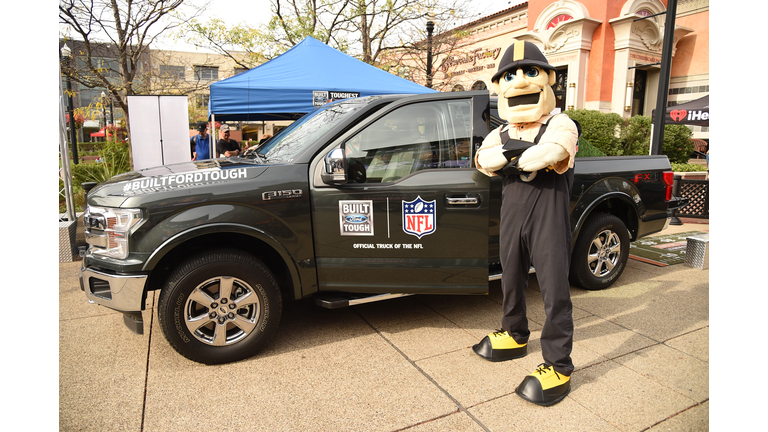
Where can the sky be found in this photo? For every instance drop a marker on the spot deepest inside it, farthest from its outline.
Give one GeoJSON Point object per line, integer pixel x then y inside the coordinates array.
{"type": "Point", "coordinates": [255, 12]}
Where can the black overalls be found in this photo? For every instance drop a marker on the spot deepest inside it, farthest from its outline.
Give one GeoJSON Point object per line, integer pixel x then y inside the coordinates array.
{"type": "Point", "coordinates": [535, 229]}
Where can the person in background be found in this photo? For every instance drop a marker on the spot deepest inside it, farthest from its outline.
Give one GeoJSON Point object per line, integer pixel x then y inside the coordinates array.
{"type": "Point", "coordinates": [227, 147]}
{"type": "Point", "coordinates": [201, 143]}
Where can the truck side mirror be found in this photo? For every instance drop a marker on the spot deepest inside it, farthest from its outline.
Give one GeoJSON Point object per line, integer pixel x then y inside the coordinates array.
{"type": "Point", "coordinates": [335, 172]}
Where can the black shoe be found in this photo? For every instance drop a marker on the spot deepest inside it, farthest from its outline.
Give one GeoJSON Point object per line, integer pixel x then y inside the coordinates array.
{"type": "Point", "coordinates": [544, 386]}
{"type": "Point", "coordinates": [500, 346]}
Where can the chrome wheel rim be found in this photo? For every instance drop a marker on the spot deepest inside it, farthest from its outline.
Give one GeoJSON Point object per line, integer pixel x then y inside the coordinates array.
{"type": "Point", "coordinates": [222, 311]}
{"type": "Point", "coordinates": [604, 253]}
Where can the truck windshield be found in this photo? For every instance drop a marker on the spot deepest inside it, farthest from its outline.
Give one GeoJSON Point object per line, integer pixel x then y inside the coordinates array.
{"type": "Point", "coordinates": [307, 130]}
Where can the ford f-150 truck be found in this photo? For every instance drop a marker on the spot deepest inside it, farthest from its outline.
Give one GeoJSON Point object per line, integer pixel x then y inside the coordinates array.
{"type": "Point", "coordinates": [359, 200]}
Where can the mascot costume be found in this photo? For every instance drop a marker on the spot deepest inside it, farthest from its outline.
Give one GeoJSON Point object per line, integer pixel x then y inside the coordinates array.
{"type": "Point", "coordinates": [534, 154]}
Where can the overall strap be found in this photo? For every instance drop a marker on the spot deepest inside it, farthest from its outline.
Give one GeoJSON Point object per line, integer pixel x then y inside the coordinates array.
{"type": "Point", "coordinates": [542, 129]}
{"type": "Point", "coordinates": [504, 134]}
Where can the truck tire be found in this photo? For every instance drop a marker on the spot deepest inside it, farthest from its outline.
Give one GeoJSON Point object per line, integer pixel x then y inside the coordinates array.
{"type": "Point", "coordinates": [600, 253]}
{"type": "Point", "coordinates": [219, 307]}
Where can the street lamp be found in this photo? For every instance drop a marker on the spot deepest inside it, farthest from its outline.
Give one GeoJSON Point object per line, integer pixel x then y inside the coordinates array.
{"type": "Point", "coordinates": [430, 28]}
{"type": "Point", "coordinates": [66, 56]}
{"type": "Point", "coordinates": [104, 116]}
{"type": "Point", "coordinates": [111, 112]}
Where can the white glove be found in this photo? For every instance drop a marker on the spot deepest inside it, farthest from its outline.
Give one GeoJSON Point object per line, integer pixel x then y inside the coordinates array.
{"type": "Point", "coordinates": [492, 159]}
{"type": "Point", "coordinates": [541, 156]}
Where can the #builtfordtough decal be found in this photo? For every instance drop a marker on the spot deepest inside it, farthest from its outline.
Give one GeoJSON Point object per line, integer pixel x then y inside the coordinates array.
{"type": "Point", "coordinates": [177, 180]}
{"type": "Point", "coordinates": [419, 217]}
{"type": "Point", "coordinates": [356, 218]}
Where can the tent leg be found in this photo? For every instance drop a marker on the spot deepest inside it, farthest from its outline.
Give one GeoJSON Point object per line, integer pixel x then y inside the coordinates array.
{"type": "Point", "coordinates": [213, 137]}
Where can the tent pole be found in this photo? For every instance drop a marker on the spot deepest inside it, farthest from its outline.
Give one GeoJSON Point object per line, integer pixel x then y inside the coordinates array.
{"type": "Point", "coordinates": [213, 137]}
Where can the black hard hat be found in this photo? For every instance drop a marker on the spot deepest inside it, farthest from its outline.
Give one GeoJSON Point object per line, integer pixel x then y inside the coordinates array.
{"type": "Point", "coordinates": [521, 53]}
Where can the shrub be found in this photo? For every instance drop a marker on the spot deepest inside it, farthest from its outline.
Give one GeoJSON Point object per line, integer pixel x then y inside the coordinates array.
{"type": "Point", "coordinates": [114, 161]}
{"type": "Point", "coordinates": [616, 136]}
{"type": "Point", "coordinates": [636, 135]}
{"type": "Point", "coordinates": [588, 150]}
{"type": "Point", "coordinates": [687, 167]}
{"type": "Point", "coordinates": [78, 198]}
{"type": "Point", "coordinates": [599, 129]}
{"type": "Point", "coordinates": [677, 143]}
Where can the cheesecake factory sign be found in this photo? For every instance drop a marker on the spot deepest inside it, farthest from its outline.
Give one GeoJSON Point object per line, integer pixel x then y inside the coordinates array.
{"type": "Point", "coordinates": [470, 60]}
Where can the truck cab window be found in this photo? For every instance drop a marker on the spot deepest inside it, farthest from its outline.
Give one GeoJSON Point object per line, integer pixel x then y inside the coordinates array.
{"type": "Point", "coordinates": [427, 135]}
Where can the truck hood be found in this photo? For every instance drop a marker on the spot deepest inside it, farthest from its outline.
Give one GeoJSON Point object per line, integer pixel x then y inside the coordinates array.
{"type": "Point", "coordinates": [198, 177]}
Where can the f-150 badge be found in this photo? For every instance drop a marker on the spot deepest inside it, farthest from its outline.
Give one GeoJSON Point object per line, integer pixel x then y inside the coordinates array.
{"type": "Point", "coordinates": [419, 217]}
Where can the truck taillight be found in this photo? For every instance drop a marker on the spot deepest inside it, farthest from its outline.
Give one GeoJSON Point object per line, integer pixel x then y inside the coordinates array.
{"type": "Point", "coordinates": [669, 181]}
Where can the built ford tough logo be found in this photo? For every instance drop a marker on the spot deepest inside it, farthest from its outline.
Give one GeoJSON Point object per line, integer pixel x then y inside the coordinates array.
{"type": "Point", "coordinates": [419, 217]}
{"type": "Point", "coordinates": [356, 218]}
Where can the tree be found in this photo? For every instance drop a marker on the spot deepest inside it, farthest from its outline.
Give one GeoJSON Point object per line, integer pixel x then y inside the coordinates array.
{"type": "Point", "coordinates": [409, 61]}
{"type": "Point", "coordinates": [365, 29]}
{"type": "Point", "coordinates": [112, 39]}
{"type": "Point", "coordinates": [228, 41]}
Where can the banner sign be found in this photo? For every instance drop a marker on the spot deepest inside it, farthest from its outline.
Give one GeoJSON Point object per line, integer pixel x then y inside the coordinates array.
{"type": "Point", "coordinates": [322, 97]}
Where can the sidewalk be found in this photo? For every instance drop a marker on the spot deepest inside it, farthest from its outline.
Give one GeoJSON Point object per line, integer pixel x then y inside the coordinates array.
{"type": "Point", "coordinates": [404, 364]}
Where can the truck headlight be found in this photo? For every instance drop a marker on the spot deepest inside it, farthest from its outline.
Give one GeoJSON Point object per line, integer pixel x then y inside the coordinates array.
{"type": "Point", "coordinates": [107, 230]}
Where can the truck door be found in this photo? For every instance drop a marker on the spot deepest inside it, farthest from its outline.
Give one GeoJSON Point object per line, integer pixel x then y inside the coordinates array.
{"type": "Point", "coordinates": [413, 217]}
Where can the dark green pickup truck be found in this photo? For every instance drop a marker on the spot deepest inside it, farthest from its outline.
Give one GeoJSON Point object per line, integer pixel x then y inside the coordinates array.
{"type": "Point", "coordinates": [360, 200]}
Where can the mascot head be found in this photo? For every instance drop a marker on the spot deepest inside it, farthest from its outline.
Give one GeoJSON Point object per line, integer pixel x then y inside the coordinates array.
{"type": "Point", "coordinates": [524, 83]}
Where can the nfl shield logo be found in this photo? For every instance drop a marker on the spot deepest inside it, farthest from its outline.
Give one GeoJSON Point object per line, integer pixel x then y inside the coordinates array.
{"type": "Point", "coordinates": [419, 217]}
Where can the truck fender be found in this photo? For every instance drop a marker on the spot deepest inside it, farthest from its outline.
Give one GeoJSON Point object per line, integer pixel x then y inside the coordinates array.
{"type": "Point", "coordinates": [590, 201]}
{"type": "Point", "coordinates": [227, 228]}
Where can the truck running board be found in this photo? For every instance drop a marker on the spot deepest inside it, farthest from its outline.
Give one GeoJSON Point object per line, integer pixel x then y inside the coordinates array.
{"type": "Point", "coordinates": [336, 300]}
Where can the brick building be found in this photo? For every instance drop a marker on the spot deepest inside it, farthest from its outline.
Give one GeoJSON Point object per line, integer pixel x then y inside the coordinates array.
{"type": "Point", "coordinates": [606, 59]}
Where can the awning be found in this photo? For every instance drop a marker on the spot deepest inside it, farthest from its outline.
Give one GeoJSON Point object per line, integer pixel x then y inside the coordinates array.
{"type": "Point", "coordinates": [695, 112]}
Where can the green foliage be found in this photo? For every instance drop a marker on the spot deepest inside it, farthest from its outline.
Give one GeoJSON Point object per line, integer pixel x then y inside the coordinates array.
{"type": "Point", "coordinates": [677, 143]}
{"type": "Point", "coordinates": [600, 129]}
{"type": "Point", "coordinates": [688, 167]}
{"type": "Point", "coordinates": [226, 38]}
{"type": "Point", "coordinates": [616, 136]}
{"type": "Point", "coordinates": [88, 148]}
{"type": "Point", "coordinates": [114, 161]}
{"type": "Point", "coordinates": [78, 198]}
{"type": "Point", "coordinates": [636, 135]}
{"type": "Point", "coordinates": [588, 150]}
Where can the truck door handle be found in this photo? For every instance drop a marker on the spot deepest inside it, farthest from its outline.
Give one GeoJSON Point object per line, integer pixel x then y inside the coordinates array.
{"type": "Point", "coordinates": [462, 200]}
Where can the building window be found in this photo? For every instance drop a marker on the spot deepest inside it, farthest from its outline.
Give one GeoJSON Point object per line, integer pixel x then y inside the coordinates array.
{"type": "Point", "coordinates": [479, 85]}
{"type": "Point", "coordinates": [206, 73]}
{"type": "Point", "coordinates": [172, 72]}
{"type": "Point", "coordinates": [240, 70]}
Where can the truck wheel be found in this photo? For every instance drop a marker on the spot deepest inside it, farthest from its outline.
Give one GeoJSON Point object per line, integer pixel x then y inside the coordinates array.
{"type": "Point", "coordinates": [219, 307]}
{"type": "Point", "coordinates": [601, 252]}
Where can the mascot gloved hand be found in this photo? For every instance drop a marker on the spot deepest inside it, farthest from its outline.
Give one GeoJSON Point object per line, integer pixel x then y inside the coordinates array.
{"type": "Point", "coordinates": [533, 154]}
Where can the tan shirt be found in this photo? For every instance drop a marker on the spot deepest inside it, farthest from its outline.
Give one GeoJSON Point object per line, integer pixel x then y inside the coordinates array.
{"type": "Point", "coordinates": [561, 131]}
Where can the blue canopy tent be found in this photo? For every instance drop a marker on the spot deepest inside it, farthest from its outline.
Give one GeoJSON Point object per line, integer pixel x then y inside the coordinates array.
{"type": "Point", "coordinates": [308, 75]}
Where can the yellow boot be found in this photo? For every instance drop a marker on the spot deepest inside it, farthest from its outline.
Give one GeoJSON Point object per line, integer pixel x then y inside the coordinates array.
{"type": "Point", "coordinates": [544, 386]}
{"type": "Point", "coordinates": [500, 346]}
